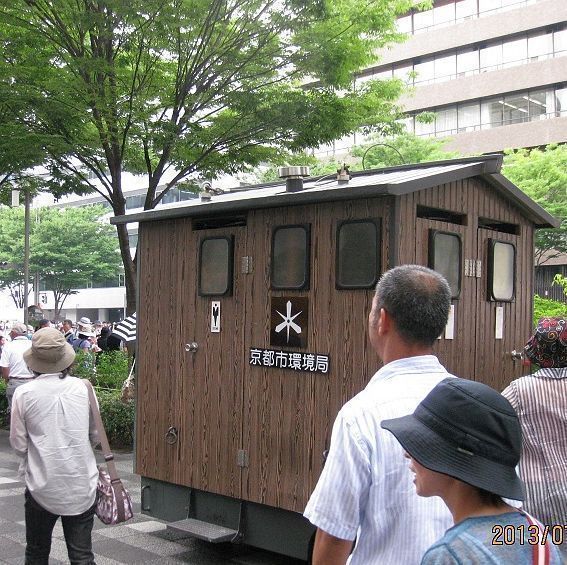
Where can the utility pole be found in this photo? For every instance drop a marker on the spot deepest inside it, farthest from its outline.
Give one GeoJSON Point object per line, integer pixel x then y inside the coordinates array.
{"type": "Point", "coordinates": [26, 251]}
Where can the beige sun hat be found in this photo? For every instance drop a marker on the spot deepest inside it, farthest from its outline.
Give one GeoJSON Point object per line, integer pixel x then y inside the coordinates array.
{"type": "Point", "coordinates": [49, 352]}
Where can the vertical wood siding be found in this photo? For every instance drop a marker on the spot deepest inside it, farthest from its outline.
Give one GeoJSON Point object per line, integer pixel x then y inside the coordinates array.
{"type": "Point", "coordinates": [282, 419]}
{"type": "Point", "coordinates": [475, 353]}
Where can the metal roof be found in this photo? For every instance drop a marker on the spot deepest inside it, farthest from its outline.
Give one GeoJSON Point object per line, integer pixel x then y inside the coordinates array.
{"type": "Point", "coordinates": [379, 182]}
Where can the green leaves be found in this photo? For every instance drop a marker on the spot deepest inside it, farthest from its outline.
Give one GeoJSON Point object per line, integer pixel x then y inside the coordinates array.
{"type": "Point", "coordinates": [201, 87]}
{"type": "Point", "coordinates": [542, 175]}
{"type": "Point", "coordinates": [69, 247]}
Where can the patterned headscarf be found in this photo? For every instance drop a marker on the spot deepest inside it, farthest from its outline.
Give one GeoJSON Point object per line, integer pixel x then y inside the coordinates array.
{"type": "Point", "coordinates": [548, 346]}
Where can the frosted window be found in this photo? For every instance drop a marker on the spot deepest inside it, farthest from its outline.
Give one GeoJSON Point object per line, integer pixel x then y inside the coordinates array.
{"type": "Point", "coordinates": [215, 273]}
{"type": "Point", "coordinates": [358, 252]}
{"type": "Point", "coordinates": [290, 257]}
{"type": "Point", "coordinates": [445, 258]}
{"type": "Point", "coordinates": [423, 20]}
{"type": "Point", "coordinates": [560, 41]}
{"type": "Point", "coordinates": [501, 271]}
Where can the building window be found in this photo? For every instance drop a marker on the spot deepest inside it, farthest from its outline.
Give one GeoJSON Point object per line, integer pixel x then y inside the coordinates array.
{"type": "Point", "coordinates": [215, 266]}
{"type": "Point", "coordinates": [290, 257]}
{"type": "Point", "coordinates": [501, 270]}
{"type": "Point", "coordinates": [514, 52]}
{"type": "Point", "coordinates": [491, 112]}
{"type": "Point", "coordinates": [538, 104]}
{"type": "Point", "coordinates": [445, 67]}
{"type": "Point", "coordinates": [468, 117]}
{"type": "Point", "coordinates": [514, 109]}
{"type": "Point", "coordinates": [491, 57]}
{"type": "Point", "coordinates": [358, 254]}
{"type": "Point", "coordinates": [540, 46]}
{"type": "Point", "coordinates": [446, 121]}
{"type": "Point", "coordinates": [445, 257]}
{"type": "Point", "coordinates": [467, 62]}
{"type": "Point", "coordinates": [422, 21]}
{"type": "Point", "coordinates": [561, 102]}
{"type": "Point", "coordinates": [560, 41]}
{"type": "Point", "coordinates": [465, 10]}
{"type": "Point", "coordinates": [424, 71]}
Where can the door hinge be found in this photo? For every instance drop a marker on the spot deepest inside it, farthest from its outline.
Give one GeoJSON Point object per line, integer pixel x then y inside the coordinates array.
{"type": "Point", "coordinates": [246, 264]}
{"type": "Point", "coordinates": [242, 458]}
{"type": "Point", "coordinates": [473, 268]}
{"type": "Point", "coordinates": [478, 269]}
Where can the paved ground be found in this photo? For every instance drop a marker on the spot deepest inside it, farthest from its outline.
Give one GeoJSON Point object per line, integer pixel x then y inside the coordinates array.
{"type": "Point", "coordinates": [140, 540]}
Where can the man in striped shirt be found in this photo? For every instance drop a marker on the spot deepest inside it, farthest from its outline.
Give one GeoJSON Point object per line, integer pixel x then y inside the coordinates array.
{"type": "Point", "coordinates": [540, 401]}
{"type": "Point", "coordinates": [366, 490]}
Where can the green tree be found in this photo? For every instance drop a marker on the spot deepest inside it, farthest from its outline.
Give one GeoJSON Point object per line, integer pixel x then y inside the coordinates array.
{"type": "Point", "coordinates": [377, 152]}
{"type": "Point", "coordinates": [69, 247]}
{"type": "Point", "coordinates": [402, 149]}
{"type": "Point", "coordinates": [544, 307]}
{"type": "Point", "coordinates": [542, 175]}
{"type": "Point", "coordinates": [173, 89]}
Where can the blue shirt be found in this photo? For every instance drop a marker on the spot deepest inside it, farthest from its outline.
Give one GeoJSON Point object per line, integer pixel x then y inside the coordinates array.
{"type": "Point", "coordinates": [366, 489]}
{"type": "Point", "coordinates": [490, 540]}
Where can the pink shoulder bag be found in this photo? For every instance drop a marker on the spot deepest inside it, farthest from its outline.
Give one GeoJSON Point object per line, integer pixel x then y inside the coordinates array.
{"type": "Point", "coordinates": [113, 502]}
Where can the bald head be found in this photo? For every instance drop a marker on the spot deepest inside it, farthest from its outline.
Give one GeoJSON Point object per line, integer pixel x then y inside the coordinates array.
{"type": "Point", "coordinates": [417, 299]}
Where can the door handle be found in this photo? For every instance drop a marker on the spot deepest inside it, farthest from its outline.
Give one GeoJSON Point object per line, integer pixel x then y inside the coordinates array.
{"type": "Point", "coordinates": [517, 355]}
{"type": "Point", "coordinates": [191, 347]}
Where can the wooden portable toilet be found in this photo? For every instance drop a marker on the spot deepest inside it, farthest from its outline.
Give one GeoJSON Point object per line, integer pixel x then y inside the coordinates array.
{"type": "Point", "coordinates": [252, 314]}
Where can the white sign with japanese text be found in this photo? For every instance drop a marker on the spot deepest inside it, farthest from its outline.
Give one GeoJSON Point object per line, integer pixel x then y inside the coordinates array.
{"type": "Point", "coordinates": [292, 360]}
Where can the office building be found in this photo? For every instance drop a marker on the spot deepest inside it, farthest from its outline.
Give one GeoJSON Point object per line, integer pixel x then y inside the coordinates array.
{"type": "Point", "coordinates": [494, 72]}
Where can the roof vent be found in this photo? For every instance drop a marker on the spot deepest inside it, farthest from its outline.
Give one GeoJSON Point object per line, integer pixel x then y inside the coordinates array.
{"type": "Point", "coordinates": [343, 174]}
{"type": "Point", "coordinates": [293, 177]}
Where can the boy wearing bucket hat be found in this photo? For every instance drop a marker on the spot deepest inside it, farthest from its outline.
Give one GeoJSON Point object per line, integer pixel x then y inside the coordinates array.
{"type": "Point", "coordinates": [464, 441]}
{"type": "Point", "coordinates": [540, 401]}
{"type": "Point", "coordinates": [51, 430]}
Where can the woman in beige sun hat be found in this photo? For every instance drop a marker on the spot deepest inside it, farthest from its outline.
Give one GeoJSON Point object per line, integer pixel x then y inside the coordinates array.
{"type": "Point", "coordinates": [51, 431]}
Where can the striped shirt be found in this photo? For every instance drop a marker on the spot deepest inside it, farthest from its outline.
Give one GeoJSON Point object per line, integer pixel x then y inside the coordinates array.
{"type": "Point", "coordinates": [366, 489]}
{"type": "Point", "coordinates": [541, 403]}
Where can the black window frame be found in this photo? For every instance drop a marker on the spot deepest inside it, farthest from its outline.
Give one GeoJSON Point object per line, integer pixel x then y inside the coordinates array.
{"type": "Point", "coordinates": [431, 255]}
{"type": "Point", "coordinates": [378, 225]}
{"type": "Point", "coordinates": [307, 264]}
{"type": "Point", "coordinates": [490, 271]}
{"type": "Point", "coordinates": [230, 267]}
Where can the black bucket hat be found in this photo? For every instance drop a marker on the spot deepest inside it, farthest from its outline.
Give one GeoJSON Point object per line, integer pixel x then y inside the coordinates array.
{"type": "Point", "coordinates": [468, 431]}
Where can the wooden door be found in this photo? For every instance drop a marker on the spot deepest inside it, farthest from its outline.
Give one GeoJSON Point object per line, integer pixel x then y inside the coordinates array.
{"type": "Point", "coordinates": [457, 353]}
{"type": "Point", "coordinates": [501, 325]}
{"type": "Point", "coordinates": [165, 298]}
{"type": "Point", "coordinates": [212, 380]}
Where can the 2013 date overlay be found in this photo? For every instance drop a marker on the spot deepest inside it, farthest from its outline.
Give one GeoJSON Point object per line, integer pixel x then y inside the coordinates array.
{"type": "Point", "coordinates": [530, 535]}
